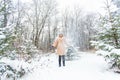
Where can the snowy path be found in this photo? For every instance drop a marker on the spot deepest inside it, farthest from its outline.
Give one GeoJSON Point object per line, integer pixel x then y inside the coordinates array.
{"type": "Point", "coordinates": [88, 67]}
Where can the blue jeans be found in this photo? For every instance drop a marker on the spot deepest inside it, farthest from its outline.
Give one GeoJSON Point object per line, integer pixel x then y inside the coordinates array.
{"type": "Point", "coordinates": [61, 59]}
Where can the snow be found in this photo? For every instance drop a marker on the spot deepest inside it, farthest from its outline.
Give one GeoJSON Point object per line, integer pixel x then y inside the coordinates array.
{"type": "Point", "coordinates": [89, 67]}
{"type": "Point", "coordinates": [16, 64]}
{"type": "Point", "coordinates": [117, 51]}
{"type": "Point", "coordinates": [2, 36]}
{"type": "Point", "coordinates": [101, 52]}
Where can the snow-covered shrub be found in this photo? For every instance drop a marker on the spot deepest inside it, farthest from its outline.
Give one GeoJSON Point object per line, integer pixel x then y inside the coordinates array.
{"type": "Point", "coordinates": [9, 72]}
{"type": "Point", "coordinates": [110, 53]}
{"type": "Point", "coordinates": [114, 60]}
{"type": "Point", "coordinates": [28, 49]}
{"type": "Point", "coordinates": [13, 73]}
{"type": "Point", "coordinates": [71, 53]}
{"type": "Point", "coordinates": [13, 69]}
{"type": "Point", "coordinates": [6, 39]}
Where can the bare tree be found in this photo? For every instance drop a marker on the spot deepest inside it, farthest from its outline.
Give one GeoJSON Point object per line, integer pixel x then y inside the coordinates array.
{"type": "Point", "coordinates": [39, 16]}
{"type": "Point", "coordinates": [79, 27]}
{"type": "Point", "coordinates": [65, 21]}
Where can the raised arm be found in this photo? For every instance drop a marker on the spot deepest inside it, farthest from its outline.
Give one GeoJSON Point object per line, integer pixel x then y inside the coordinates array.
{"type": "Point", "coordinates": [55, 43]}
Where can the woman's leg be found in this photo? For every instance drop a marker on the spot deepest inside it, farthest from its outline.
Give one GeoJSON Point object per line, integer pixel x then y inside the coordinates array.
{"type": "Point", "coordinates": [63, 58]}
{"type": "Point", "coordinates": [59, 60]}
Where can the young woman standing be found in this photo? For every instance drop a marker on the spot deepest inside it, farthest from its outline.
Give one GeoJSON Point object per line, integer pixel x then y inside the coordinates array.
{"type": "Point", "coordinates": [60, 44]}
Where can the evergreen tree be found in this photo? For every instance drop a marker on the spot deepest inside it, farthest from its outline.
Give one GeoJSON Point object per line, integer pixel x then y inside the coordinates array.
{"type": "Point", "coordinates": [110, 28]}
{"type": "Point", "coordinates": [109, 34]}
{"type": "Point", "coordinates": [6, 31]}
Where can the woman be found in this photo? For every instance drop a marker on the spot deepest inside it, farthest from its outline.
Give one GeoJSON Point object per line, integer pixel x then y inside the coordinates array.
{"type": "Point", "coordinates": [59, 44]}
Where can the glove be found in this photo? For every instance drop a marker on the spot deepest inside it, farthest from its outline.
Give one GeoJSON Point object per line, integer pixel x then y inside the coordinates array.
{"type": "Point", "coordinates": [51, 47]}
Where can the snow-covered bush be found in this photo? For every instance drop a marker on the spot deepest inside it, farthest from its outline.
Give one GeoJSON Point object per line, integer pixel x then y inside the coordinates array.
{"type": "Point", "coordinates": [113, 60]}
{"type": "Point", "coordinates": [110, 53]}
{"type": "Point", "coordinates": [8, 70]}
{"type": "Point", "coordinates": [6, 39]}
{"type": "Point", "coordinates": [27, 49]}
{"type": "Point", "coordinates": [71, 53]}
{"type": "Point", "coordinates": [30, 48]}
{"type": "Point", "coordinates": [15, 69]}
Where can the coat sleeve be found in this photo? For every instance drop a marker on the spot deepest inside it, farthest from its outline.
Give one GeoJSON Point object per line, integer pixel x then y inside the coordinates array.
{"type": "Point", "coordinates": [55, 43]}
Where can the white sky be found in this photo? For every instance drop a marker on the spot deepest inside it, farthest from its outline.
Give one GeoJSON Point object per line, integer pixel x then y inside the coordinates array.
{"type": "Point", "coordinates": [87, 5]}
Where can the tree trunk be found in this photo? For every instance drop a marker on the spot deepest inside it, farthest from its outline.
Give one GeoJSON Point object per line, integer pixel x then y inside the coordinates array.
{"type": "Point", "coordinates": [5, 15]}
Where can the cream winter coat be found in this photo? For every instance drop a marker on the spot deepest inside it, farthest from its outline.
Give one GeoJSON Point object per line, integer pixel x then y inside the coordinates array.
{"type": "Point", "coordinates": [60, 44]}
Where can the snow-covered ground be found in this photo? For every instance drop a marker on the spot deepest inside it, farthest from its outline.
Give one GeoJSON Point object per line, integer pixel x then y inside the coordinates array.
{"type": "Point", "coordinates": [88, 67]}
